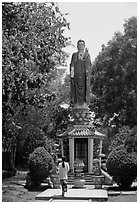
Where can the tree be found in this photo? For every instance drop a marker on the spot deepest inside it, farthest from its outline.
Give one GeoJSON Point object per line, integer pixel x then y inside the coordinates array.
{"type": "Point", "coordinates": [31, 52]}
{"type": "Point", "coordinates": [131, 141]}
{"type": "Point", "coordinates": [32, 49]}
{"type": "Point", "coordinates": [125, 136]}
{"type": "Point", "coordinates": [114, 79]}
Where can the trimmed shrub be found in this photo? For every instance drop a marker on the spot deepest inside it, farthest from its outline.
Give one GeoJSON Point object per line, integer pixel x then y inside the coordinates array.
{"type": "Point", "coordinates": [122, 166]}
{"type": "Point", "coordinates": [40, 164]}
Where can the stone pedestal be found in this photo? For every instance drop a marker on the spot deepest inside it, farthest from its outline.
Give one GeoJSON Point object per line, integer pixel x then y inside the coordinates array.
{"type": "Point", "coordinates": [98, 181]}
{"type": "Point", "coordinates": [81, 114]}
{"type": "Point", "coordinates": [79, 180]}
{"type": "Point", "coordinates": [55, 180]}
{"type": "Point", "coordinates": [79, 183]}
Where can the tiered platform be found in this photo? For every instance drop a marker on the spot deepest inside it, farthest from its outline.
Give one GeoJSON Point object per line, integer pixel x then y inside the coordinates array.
{"type": "Point", "coordinates": [87, 193]}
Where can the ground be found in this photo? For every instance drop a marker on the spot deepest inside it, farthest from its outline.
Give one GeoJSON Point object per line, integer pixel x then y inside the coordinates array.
{"type": "Point", "coordinates": [13, 191]}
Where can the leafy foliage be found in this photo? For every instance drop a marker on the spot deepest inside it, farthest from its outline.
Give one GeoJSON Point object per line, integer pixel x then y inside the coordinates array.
{"type": "Point", "coordinates": [32, 50]}
{"type": "Point", "coordinates": [34, 138]}
{"type": "Point", "coordinates": [122, 166]}
{"type": "Point", "coordinates": [40, 164]}
{"type": "Point", "coordinates": [114, 78]}
{"type": "Point", "coordinates": [131, 141]}
{"type": "Point", "coordinates": [127, 137]}
{"type": "Point", "coordinates": [122, 161]}
{"type": "Point", "coordinates": [120, 137]}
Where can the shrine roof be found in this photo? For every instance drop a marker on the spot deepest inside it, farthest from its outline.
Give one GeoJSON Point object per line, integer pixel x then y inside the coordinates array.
{"type": "Point", "coordinates": [82, 131]}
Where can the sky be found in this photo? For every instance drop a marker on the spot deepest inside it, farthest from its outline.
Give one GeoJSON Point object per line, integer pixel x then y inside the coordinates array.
{"type": "Point", "coordinates": [95, 22]}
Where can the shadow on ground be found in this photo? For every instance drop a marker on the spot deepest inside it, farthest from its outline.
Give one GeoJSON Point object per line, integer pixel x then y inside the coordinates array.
{"type": "Point", "coordinates": [117, 188]}
{"type": "Point", "coordinates": [36, 188]}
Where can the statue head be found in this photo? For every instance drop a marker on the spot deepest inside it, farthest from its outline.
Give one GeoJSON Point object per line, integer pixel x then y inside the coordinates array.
{"type": "Point", "coordinates": [81, 45]}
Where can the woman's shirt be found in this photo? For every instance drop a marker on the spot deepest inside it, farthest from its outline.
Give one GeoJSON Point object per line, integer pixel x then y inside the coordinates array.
{"type": "Point", "coordinates": [63, 172]}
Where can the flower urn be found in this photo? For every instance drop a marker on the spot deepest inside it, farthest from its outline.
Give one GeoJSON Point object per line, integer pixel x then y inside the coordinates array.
{"type": "Point", "coordinates": [79, 180]}
{"type": "Point", "coordinates": [78, 165]}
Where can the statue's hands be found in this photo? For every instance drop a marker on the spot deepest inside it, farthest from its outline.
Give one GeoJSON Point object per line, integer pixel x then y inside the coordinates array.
{"type": "Point", "coordinates": [86, 50]}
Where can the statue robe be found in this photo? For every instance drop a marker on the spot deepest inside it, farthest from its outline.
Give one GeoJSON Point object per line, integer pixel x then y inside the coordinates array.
{"type": "Point", "coordinates": [80, 83]}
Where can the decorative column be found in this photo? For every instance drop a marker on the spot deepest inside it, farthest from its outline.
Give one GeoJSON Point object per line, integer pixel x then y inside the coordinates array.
{"type": "Point", "coordinates": [90, 154]}
{"type": "Point", "coordinates": [71, 150]}
{"type": "Point", "coordinates": [62, 150]}
{"type": "Point", "coordinates": [100, 152]}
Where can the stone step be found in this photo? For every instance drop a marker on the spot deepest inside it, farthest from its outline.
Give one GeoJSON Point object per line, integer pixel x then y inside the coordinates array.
{"type": "Point", "coordinates": [86, 183]}
{"type": "Point", "coordinates": [89, 181]}
{"type": "Point", "coordinates": [85, 177]}
{"type": "Point", "coordinates": [74, 194]}
{"type": "Point", "coordinates": [88, 177]}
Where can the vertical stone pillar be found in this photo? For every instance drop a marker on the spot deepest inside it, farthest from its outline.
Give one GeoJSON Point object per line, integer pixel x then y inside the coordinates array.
{"type": "Point", "coordinates": [90, 154]}
{"type": "Point", "coordinates": [100, 151]}
{"type": "Point", "coordinates": [62, 150]}
{"type": "Point", "coordinates": [71, 151]}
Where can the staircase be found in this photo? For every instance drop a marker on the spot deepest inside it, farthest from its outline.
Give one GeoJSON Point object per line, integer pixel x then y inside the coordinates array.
{"type": "Point", "coordinates": [88, 178]}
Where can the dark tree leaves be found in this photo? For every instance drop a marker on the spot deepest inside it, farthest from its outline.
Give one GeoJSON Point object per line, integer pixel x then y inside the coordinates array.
{"type": "Point", "coordinates": [114, 78]}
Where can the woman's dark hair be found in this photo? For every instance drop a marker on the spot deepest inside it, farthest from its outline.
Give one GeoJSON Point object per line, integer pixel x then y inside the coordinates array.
{"type": "Point", "coordinates": [63, 162]}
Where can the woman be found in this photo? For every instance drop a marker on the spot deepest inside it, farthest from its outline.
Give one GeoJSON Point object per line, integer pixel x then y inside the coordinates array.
{"type": "Point", "coordinates": [63, 168]}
